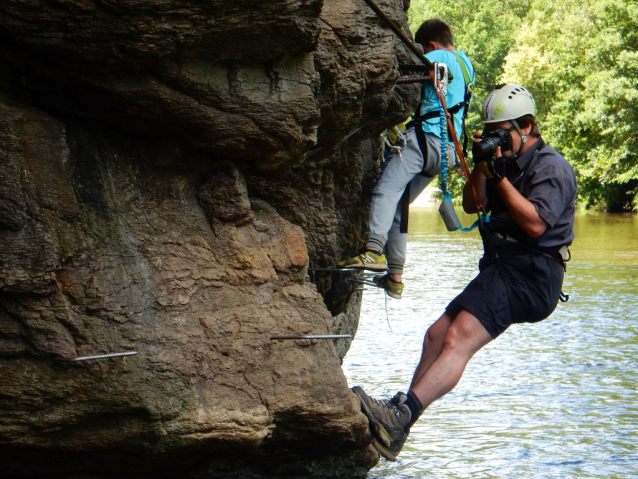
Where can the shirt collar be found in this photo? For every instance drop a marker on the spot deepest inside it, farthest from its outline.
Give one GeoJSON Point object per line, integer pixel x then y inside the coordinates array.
{"type": "Point", "coordinates": [516, 167]}
{"type": "Point", "coordinates": [522, 160]}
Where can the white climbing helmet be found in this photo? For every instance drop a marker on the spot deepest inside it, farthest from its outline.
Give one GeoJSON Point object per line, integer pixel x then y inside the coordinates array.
{"type": "Point", "coordinates": [507, 102]}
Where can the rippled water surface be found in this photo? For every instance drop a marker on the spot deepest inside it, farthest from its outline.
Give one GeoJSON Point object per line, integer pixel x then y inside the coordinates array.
{"type": "Point", "coordinates": [554, 399]}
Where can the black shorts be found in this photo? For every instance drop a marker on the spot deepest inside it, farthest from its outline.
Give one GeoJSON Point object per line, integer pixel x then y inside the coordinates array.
{"type": "Point", "coordinates": [529, 293]}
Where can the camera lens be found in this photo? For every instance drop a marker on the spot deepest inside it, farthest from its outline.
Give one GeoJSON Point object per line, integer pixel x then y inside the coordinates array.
{"type": "Point", "coordinates": [486, 147]}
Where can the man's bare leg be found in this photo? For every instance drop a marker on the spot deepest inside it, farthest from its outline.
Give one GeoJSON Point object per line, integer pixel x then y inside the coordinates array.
{"type": "Point", "coordinates": [464, 337]}
{"type": "Point", "coordinates": [448, 346]}
{"type": "Point", "coordinates": [432, 345]}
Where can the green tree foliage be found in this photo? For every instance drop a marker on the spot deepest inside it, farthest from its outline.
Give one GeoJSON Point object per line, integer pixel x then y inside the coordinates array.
{"type": "Point", "coordinates": [580, 60]}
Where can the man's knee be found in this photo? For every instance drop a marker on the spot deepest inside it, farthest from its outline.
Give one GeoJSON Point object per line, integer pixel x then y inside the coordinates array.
{"type": "Point", "coordinates": [453, 339]}
{"type": "Point", "coordinates": [435, 334]}
{"type": "Point", "coordinates": [466, 333]}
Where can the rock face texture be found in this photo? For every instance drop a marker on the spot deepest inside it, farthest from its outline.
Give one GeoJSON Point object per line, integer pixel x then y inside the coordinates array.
{"type": "Point", "coordinates": [169, 171]}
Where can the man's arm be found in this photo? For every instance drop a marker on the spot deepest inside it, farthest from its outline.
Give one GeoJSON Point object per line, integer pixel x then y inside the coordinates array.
{"type": "Point", "coordinates": [479, 182]}
{"type": "Point", "coordinates": [521, 210]}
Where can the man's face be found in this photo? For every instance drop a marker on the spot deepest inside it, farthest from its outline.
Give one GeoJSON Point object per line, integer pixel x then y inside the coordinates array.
{"type": "Point", "coordinates": [516, 138]}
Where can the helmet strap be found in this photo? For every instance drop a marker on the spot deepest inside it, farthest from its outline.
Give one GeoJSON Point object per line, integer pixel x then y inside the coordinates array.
{"type": "Point", "coordinates": [520, 132]}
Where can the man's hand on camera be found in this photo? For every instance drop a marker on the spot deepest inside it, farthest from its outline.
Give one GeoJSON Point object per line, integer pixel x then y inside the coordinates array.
{"type": "Point", "coordinates": [488, 167]}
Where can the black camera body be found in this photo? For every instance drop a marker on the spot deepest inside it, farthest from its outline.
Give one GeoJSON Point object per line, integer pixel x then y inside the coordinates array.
{"type": "Point", "coordinates": [490, 140]}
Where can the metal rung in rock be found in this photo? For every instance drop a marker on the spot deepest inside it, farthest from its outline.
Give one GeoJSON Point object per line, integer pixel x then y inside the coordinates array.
{"type": "Point", "coordinates": [104, 356]}
{"type": "Point", "coordinates": [315, 336]}
{"type": "Point", "coordinates": [337, 270]}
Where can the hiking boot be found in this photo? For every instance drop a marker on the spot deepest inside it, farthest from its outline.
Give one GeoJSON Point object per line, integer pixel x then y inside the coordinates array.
{"type": "Point", "coordinates": [393, 288]}
{"type": "Point", "coordinates": [392, 451]}
{"type": "Point", "coordinates": [388, 422]}
{"type": "Point", "coordinates": [399, 398]}
{"type": "Point", "coordinates": [365, 260]}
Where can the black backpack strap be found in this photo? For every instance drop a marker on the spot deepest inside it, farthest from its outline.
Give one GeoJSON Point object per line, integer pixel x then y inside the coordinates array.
{"type": "Point", "coordinates": [405, 209]}
{"type": "Point", "coordinates": [423, 146]}
{"type": "Point", "coordinates": [437, 113]}
{"type": "Point", "coordinates": [457, 107]}
{"type": "Point", "coordinates": [417, 120]}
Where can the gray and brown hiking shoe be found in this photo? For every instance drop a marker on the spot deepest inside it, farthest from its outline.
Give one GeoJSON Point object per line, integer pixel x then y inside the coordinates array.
{"type": "Point", "coordinates": [388, 422]}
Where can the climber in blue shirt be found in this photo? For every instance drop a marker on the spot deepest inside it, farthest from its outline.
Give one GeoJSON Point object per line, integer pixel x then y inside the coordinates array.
{"type": "Point", "coordinates": [412, 168]}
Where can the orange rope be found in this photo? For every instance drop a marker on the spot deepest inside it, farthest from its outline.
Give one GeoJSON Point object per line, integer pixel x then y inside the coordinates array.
{"type": "Point", "coordinates": [457, 146]}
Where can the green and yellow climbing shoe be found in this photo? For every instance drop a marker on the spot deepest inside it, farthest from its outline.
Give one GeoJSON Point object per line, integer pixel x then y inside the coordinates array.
{"type": "Point", "coordinates": [365, 260]}
{"type": "Point", "coordinates": [393, 288]}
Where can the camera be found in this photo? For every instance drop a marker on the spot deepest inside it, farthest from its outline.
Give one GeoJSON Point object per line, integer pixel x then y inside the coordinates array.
{"type": "Point", "coordinates": [490, 140]}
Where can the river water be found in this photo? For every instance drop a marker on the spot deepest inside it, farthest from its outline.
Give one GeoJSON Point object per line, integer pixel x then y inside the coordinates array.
{"type": "Point", "coordinates": [556, 399]}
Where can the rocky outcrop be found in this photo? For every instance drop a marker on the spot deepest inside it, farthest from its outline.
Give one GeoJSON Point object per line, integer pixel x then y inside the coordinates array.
{"type": "Point", "coordinates": [170, 170]}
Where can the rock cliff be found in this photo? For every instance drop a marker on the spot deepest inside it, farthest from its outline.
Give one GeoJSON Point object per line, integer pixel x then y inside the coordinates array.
{"type": "Point", "coordinates": [169, 171]}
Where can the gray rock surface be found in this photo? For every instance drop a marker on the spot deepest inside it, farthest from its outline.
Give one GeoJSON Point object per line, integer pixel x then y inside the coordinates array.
{"type": "Point", "coordinates": [170, 170]}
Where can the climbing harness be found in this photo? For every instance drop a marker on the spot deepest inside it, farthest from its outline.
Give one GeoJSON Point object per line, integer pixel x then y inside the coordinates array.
{"type": "Point", "coordinates": [442, 72]}
{"type": "Point", "coordinates": [446, 209]}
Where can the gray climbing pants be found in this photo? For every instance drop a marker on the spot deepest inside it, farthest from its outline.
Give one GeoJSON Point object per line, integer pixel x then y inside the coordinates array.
{"type": "Point", "coordinates": [385, 210]}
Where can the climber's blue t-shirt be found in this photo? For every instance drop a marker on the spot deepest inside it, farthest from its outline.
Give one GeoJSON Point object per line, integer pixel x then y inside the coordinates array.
{"type": "Point", "coordinates": [455, 94]}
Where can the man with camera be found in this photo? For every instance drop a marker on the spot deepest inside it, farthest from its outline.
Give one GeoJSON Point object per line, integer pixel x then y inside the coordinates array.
{"type": "Point", "coordinates": [530, 190]}
{"type": "Point", "coordinates": [411, 169]}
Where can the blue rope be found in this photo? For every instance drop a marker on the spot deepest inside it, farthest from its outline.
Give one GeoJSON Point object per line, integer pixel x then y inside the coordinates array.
{"type": "Point", "coordinates": [483, 218]}
{"type": "Point", "coordinates": [446, 193]}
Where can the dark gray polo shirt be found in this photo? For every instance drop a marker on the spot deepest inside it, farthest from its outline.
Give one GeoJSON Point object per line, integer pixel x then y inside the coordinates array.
{"type": "Point", "coordinates": [547, 180]}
